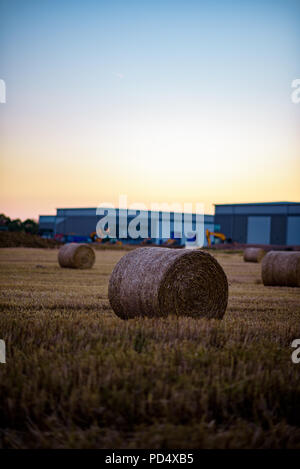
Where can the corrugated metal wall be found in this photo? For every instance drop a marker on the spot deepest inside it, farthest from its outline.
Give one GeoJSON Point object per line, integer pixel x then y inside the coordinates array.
{"type": "Point", "coordinates": [260, 224]}
{"type": "Point", "coordinates": [259, 230]}
{"type": "Point", "coordinates": [278, 229]}
{"type": "Point", "coordinates": [293, 230]}
{"type": "Point", "coordinates": [240, 223]}
{"type": "Point", "coordinates": [69, 222]}
{"type": "Point", "coordinates": [226, 224]}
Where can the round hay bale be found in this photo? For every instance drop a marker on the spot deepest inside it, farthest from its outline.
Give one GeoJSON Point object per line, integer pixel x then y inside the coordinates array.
{"type": "Point", "coordinates": [281, 268]}
{"type": "Point", "coordinates": [76, 256]}
{"type": "Point", "coordinates": [254, 254]}
{"type": "Point", "coordinates": [156, 282]}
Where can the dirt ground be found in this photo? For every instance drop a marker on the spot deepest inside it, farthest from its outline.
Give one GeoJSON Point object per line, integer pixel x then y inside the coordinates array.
{"type": "Point", "coordinates": [77, 376]}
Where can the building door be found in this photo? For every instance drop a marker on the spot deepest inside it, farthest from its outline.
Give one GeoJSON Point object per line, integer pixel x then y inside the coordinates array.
{"type": "Point", "coordinates": [259, 230]}
{"type": "Point", "coordinates": [293, 231]}
{"type": "Point", "coordinates": [278, 229]}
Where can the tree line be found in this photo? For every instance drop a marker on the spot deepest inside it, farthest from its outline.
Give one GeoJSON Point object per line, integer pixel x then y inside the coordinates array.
{"type": "Point", "coordinates": [27, 226]}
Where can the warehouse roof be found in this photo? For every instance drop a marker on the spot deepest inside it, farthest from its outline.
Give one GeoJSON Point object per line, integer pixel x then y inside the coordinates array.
{"type": "Point", "coordinates": [259, 203]}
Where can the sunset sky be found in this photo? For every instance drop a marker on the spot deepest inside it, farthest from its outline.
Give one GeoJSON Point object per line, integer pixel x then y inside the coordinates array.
{"type": "Point", "coordinates": [164, 101]}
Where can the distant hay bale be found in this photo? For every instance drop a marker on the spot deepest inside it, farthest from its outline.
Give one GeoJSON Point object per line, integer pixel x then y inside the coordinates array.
{"type": "Point", "coordinates": [76, 256]}
{"type": "Point", "coordinates": [281, 268]}
{"type": "Point", "coordinates": [155, 282]}
{"type": "Point", "coordinates": [254, 254]}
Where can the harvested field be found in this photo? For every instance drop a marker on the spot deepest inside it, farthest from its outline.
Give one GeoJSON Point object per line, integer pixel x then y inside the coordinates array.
{"type": "Point", "coordinates": [77, 376]}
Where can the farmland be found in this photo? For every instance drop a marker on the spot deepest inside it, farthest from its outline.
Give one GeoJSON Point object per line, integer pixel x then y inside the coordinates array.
{"type": "Point", "coordinates": [77, 376]}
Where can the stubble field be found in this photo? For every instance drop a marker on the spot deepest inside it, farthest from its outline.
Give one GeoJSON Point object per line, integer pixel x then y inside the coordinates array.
{"type": "Point", "coordinates": [77, 376]}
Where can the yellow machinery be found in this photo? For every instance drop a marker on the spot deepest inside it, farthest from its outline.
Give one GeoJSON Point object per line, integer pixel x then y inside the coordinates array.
{"type": "Point", "coordinates": [170, 242]}
{"type": "Point", "coordinates": [216, 235]}
{"type": "Point", "coordinates": [94, 237]}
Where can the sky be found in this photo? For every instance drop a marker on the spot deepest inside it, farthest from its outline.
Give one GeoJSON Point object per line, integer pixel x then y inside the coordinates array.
{"type": "Point", "coordinates": [161, 101]}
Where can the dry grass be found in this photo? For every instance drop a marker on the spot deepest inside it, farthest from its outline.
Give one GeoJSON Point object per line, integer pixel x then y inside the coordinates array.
{"type": "Point", "coordinates": [77, 376]}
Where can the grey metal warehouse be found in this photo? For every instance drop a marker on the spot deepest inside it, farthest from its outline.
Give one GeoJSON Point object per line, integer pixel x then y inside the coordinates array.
{"type": "Point", "coordinates": [77, 224]}
{"type": "Point", "coordinates": [276, 223]}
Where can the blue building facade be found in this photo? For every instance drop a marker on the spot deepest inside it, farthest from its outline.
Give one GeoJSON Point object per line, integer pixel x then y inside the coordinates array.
{"type": "Point", "coordinates": [276, 223]}
{"type": "Point", "coordinates": [79, 225]}
{"type": "Point", "coordinates": [47, 225]}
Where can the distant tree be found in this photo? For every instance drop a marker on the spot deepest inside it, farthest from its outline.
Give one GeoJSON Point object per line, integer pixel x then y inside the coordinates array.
{"type": "Point", "coordinates": [15, 225]}
{"type": "Point", "coordinates": [30, 226]}
{"type": "Point", "coordinates": [4, 220]}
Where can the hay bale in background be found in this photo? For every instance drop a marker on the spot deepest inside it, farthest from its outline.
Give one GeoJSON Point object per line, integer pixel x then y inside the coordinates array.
{"type": "Point", "coordinates": [254, 254]}
{"type": "Point", "coordinates": [281, 268]}
{"type": "Point", "coordinates": [76, 256]}
{"type": "Point", "coordinates": [156, 282]}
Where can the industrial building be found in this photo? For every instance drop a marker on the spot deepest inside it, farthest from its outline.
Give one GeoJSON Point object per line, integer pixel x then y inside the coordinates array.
{"type": "Point", "coordinates": [79, 225]}
{"type": "Point", "coordinates": [276, 223]}
{"type": "Point", "coordinates": [47, 225]}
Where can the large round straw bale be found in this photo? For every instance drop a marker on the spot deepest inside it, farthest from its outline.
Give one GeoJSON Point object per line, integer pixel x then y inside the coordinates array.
{"type": "Point", "coordinates": [281, 268]}
{"type": "Point", "coordinates": [160, 281]}
{"type": "Point", "coordinates": [76, 256]}
{"type": "Point", "coordinates": [254, 254]}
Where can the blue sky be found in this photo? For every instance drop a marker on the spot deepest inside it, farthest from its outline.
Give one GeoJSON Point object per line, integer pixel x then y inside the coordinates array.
{"type": "Point", "coordinates": [160, 100]}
